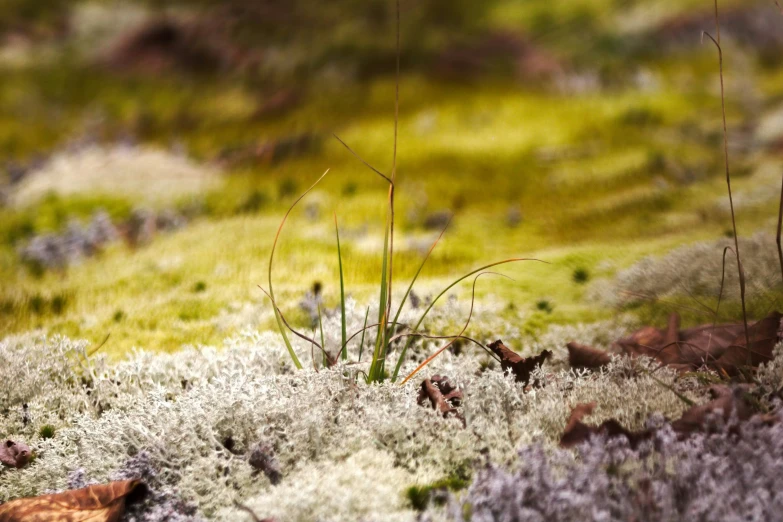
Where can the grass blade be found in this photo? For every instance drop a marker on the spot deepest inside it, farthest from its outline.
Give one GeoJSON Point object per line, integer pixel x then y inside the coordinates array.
{"type": "Point", "coordinates": [424, 315]}
{"type": "Point", "coordinates": [380, 340]}
{"type": "Point", "coordinates": [364, 329]}
{"type": "Point", "coordinates": [321, 327]}
{"type": "Point", "coordinates": [344, 351]}
{"type": "Point", "coordinates": [416, 276]}
{"type": "Point", "coordinates": [298, 334]}
{"type": "Point", "coordinates": [280, 325]}
{"type": "Point", "coordinates": [458, 336]}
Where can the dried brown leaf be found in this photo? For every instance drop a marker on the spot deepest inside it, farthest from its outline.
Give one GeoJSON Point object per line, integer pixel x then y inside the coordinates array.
{"type": "Point", "coordinates": [583, 356]}
{"type": "Point", "coordinates": [100, 503]}
{"type": "Point", "coordinates": [443, 396]}
{"type": "Point", "coordinates": [721, 347]}
{"type": "Point", "coordinates": [519, 366]}
{"type": "Point", "coordinates": [577, 432]}
{"type": "Point", "coordinates": [763, 335]}
{"type": "Point", "coordinates": [729, 401]}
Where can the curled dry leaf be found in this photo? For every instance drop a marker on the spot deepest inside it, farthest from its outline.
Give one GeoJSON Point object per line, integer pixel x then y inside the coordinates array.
{"type": "Point", "coordinates": [443, 396]}
{"type": "Point", "coordinates": [519, 366]}
{"type": "Point", "coordinates": [14, 454]}
{"type": "Point", "coordinates": [583, 356]}
{"type": "Point", "coordinates": [100, 503]}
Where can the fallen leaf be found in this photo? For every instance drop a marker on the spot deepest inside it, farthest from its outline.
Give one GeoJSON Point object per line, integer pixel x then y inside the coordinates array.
{"type": "Point", "coordinates": [583, 356]}
{"type": "Point", "coordinates": [577, 432]}
{"type": "Point", "coordinates": [763, 336]}
{"type": "Point", "coordinates": [722, 348]}
{"type": "Point", "coordinates": [520, 366]}
{"type": "Point", "coordinates": [442, 395]}
{"type": "Point", "coordinates": [734, 402]}
{"type": "Point", "coordinates": [729, 401]}
{"type": "Point", "coordinates": [100, 503]}
{"type": "Point", "coordinates": [14, 454]}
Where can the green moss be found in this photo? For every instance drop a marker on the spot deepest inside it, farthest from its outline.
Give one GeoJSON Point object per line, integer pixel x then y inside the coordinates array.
{"type": "Point", "coordinates": [46, 431]}
{"type": "Point", "coordinates": [544, 306]}
{"type": "Point", "coordinates": [581, 275]}
{"type": "Point", "coordinates": [420, 496]}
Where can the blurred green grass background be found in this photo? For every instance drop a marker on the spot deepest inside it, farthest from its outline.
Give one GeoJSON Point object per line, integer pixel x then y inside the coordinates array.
{"type": "Point", "coordinates": [606, 149]}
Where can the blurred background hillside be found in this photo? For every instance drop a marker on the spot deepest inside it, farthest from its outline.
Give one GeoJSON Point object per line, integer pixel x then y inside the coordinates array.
{"type": "Point", "coordinates": [148, 149]}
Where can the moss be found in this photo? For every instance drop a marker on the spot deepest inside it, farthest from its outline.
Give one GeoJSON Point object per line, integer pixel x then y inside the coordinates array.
{"type": "Point", "coordinates": [581, 275]}
{"type": "Point", "coordinates": [47, 431]}
{"type": "Point", "coordinates": [544, 306]}
{"type": "Point", "coordinates": [420, 496]}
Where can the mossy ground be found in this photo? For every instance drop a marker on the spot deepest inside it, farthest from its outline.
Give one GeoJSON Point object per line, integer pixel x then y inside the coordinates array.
{"type": "Point", "coordinates": [595, 181]}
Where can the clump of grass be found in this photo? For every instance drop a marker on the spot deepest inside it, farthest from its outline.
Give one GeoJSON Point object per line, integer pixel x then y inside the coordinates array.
{"type": "Point", "coordinates": [199, 286]}
{"type": "Point", "coordinates": [386, 328]}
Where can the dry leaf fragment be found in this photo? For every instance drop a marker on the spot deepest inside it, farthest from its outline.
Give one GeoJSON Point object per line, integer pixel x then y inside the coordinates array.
{"type": "Point", "coordinates": [14, 454]}
{"type": "Point", "coordinates": [442, 395]}
{"type": "Point", "coordinates": [583, 356]}
{"type": "Point", "coordinates": [520, 366]}
{"type": "Point", "coordinates": [100, 503]}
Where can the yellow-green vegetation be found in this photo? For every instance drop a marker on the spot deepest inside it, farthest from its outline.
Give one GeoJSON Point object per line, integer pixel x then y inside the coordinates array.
{"type": "Point", "coordinates": [589, 181]}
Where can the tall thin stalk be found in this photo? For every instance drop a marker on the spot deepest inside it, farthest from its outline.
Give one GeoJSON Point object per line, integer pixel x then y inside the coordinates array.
{"type": "Point", "coordinates": [716, 41]}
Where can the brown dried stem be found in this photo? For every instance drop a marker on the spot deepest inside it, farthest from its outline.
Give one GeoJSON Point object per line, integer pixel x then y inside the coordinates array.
{"type": "Point", "coordinates": [728, 173]}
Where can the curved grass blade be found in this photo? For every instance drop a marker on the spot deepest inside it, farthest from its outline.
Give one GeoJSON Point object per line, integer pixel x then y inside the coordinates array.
{"type": "Point", "coordinates": [344, 350]}
{"type": "Point", "coordinates": [271, 294]}
{"type": "Point", "coordinates": [416, 276]}
{"type": "Point", "coordinates": [300, 335]}
{"type": "Point", "coordinates": [424, 315]}
{"type": "Point", "coordinates": [467, 323]}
